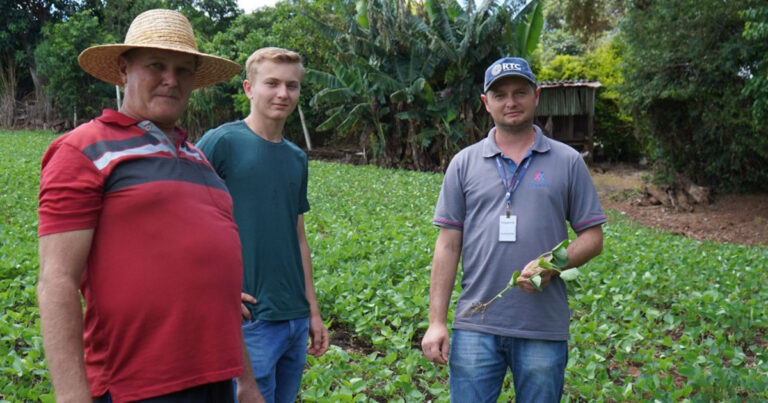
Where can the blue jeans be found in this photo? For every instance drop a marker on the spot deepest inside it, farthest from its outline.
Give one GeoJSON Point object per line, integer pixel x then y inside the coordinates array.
{"type": "Point", "coordinates": [478, 363]}
{"type": "Point", "coordinates": [278, 351]}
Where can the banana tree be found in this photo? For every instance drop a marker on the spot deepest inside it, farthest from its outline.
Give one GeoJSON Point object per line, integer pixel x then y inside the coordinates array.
{"type": "Point", "coordinates": [351, 103]}
{"type": "Point", "coordinates": [410, 72]}
{"type": "Point", "coordinates": [530, 22]}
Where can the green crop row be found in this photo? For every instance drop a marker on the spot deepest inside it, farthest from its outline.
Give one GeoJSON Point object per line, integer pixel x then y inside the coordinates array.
{"type": "Point", "coordinates": [655, 317]}
{"type": "Point", "coordinates": [23, 375]}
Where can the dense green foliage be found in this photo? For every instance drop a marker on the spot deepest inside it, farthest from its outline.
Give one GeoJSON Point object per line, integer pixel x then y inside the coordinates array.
{"type": "Point", "coordinates": [687, 89]}
{"type": "Point", "coordinates": [285, 25]}
{"type": "Point", "coordinates": [615, 138]}
{"type": "Point", "coordinates": [406, 77]}
{"type": "Point", "coordinates": [656, 317]}
{"type": "Point", "coordinates": [75, 90]}
{"type": "Point", "coordinates": [583, 20]}
{"type": "Point", "coordinates": [756, 31]}
{"type": "Point", "coordinates": [221, 29]}
{"type": "Point", "coordinates": [400, 79]}
{"type": "Point", "coordinates": [21, 23]}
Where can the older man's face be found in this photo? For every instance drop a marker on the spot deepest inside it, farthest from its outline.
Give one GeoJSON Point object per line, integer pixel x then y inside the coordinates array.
{"type": "Point", "coordinates": [157, 85]}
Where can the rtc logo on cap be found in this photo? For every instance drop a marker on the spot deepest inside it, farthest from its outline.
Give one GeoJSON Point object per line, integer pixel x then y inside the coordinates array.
{"type": "Point", "coordinates": [508, 66]}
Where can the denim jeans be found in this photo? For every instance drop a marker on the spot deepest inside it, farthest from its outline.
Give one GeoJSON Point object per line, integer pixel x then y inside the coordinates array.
{"type": "Point", "coordinates": [278, 351]}
{"type": "Point", "coordinates": [478, 363]}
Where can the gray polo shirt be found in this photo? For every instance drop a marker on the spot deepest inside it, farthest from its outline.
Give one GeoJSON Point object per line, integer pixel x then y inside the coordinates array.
{"type": "Point", "coordinates": [556, 189]}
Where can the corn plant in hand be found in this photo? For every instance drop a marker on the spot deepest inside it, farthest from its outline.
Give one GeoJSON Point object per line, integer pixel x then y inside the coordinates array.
{"type": "Point", "coordinates": [555, 259]}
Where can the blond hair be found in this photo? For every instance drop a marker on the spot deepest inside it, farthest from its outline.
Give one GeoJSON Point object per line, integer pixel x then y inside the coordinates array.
{"type": "Point", "coordinates": [273, 54]}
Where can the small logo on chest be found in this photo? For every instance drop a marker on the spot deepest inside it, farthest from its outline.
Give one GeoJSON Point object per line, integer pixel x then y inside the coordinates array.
{"type": "Point", "coordinates": [539, 180]}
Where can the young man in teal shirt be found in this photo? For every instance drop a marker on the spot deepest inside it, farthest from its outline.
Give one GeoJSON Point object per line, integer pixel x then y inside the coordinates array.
{"type": "Point", "coordinates": [267, 177]}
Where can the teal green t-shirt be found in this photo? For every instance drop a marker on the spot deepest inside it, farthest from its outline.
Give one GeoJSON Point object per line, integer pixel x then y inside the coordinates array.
{"type": "Point", "coordinates": [268, 184]}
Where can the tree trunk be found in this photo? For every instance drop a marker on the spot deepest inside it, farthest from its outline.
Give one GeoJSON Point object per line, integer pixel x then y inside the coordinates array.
{"type": "Point", "coordinates": [304, 128]}
{"type": "Point", "coordinates": [39, 112]}
{"type": "Point", "coordinates": [7, 90]}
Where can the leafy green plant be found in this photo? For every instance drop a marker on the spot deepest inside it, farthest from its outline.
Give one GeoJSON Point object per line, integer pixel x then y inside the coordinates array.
{"type": "Point", "coordinates": [407, 76]}
{"type": "Point", "coordinates": [56, 56]}
{"type": "Point", "coordinates": [23, 375]}
{"type": "Point", "coordinates": [691, 99]}
{"type": "Point", "coordinates": [555, 259]}
{"type": "Point", "coordinates": [657, 316]}
{"type": "Point", "coordinates": [615, 138]}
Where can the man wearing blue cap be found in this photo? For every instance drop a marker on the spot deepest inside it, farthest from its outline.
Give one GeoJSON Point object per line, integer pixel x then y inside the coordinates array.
{"type": "Point", "coordinates": [504, 201]}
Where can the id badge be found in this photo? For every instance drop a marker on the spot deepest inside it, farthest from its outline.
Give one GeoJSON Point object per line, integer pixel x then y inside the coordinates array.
{"type": "Point", "coordinates": [508, 228]}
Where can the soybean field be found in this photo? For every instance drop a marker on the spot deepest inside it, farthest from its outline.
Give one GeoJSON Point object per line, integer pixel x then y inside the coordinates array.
{"type": "Point", "coordinates": [655, 317]}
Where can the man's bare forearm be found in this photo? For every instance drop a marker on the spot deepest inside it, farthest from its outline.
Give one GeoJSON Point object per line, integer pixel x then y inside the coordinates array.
{"type": "Point", "coordinates": [61, 321]}
{"type": "Point", "coordinates": [443, 277]}
{"type": "Point", "coordinates": [62, 258]}
{"type": "Point", "coordinates": [588, 244]}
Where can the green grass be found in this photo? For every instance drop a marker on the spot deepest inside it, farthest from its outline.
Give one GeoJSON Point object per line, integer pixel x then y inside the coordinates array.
{"type": "Point", "coordinates": [656, 317]}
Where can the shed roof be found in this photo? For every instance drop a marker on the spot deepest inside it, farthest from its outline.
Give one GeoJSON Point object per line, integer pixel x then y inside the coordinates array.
{"type": "Point", "coordinates": [570, 83]}
{"type": "Point", "coordinates": [567, 98]}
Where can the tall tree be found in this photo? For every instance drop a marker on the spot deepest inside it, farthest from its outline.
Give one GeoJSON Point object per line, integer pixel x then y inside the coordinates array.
{"type": "Point", "coordinates": [20, 24]}
{"type": "Point", "coordinates": [73, 89]}
{"type": "Point", "coordinates": [685, 84]}
{"type": "Point", "coordinates": [590, 18]}
{"type": "Point", "coordinates": [208, 16]}
{"type": "Point", "coordinates": [756, 32]}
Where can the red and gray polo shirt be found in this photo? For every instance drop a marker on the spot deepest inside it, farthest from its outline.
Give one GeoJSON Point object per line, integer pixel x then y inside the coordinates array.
{"type": "Point", "coordinates": [163, 277]}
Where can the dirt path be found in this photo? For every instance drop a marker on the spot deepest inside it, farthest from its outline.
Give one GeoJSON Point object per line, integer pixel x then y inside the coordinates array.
{"type": "Point", "coordinates": [730, 218]}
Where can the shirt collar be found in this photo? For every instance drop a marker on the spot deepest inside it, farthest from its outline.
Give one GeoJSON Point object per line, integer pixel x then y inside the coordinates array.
{"type": "Point", "coordinates": [491, 150]}
{"type": "Point", "coordinates": [117, 118]}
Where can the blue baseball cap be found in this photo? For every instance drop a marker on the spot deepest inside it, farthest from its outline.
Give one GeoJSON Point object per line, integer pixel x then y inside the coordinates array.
{"type": "Point", "coordinates": [508, 66]}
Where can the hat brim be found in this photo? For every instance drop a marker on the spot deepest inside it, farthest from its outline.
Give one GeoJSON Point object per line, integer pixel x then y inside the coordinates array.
{"type": "Point", "coordinates": [509, 74]}
{"type": "Point", "coordinates": [102, 62]}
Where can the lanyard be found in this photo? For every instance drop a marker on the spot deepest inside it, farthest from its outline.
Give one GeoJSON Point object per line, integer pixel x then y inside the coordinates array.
{"type": "Point", "coordinates": [511, 185]}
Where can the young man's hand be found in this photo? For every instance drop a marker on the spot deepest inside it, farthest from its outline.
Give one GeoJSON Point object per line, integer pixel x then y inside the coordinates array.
{"type": "Point", "coordinates": [318, 336]}
{"type": "Point", "coordinates": [244, 309]}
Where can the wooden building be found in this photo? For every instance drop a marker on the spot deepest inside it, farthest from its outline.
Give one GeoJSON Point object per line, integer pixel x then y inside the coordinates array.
{"type": "Point", "coordinates": [566, 112]}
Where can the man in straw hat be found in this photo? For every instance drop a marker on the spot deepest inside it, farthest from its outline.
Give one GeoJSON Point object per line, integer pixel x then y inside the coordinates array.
{"type": "Point", "coordinates": [135, 218]}
{"type": "Point", "coordinates": [267, 177]}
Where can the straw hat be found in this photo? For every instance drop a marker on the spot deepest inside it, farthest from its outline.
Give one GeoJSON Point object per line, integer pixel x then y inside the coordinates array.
{"type": "Point", "coordinates": [157, 29]}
